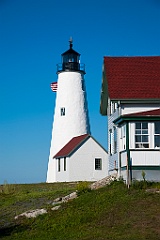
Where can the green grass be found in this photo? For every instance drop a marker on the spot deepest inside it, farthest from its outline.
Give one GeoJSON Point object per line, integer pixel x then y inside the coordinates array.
{"type": "Point", "coordinates": [16, 199]}
{"type": "Point", "coordinates": [112, 213]}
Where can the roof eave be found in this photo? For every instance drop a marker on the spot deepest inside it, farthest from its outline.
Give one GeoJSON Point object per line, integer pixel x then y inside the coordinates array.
{"type": "Point", "coordinates": [138, 100]}
{"type": "Point", "coordinates": [104, 94]}
{"type": "Point", "coordinates": [122, 119]}
{"type": "Point", "coordinates": [70, 51]}
{"type": "Point", "coordinates": [74, 149]}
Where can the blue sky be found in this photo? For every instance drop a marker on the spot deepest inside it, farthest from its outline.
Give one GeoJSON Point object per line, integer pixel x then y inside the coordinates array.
{"type": "Point", "coordinates": [33, 34]}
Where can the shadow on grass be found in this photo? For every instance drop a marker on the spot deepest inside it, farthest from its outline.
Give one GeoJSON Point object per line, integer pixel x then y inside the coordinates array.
{"type": "Point", "coordinates": [7, 231]}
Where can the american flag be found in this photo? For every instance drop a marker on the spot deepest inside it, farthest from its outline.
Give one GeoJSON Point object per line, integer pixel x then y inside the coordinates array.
{"type": "Point", "coordinates": [54, 86]}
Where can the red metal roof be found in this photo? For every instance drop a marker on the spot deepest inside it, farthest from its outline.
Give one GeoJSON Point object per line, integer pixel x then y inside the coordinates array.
{"type": "Point", "coordinates": [72, 145]}
{"type": "Point", "coordinates": [133, 77]}
{"type": "Point", "coordinates": [153, 113]}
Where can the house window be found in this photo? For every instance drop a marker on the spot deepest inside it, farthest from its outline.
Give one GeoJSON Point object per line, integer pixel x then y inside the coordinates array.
{"type": "Point", "coordinates": [123, 136]}
{"type": "Point", "coordinates": [59, 164]}
{"type": "Point", "coordinates": [64, 163]}
{"type": "Point", "coordinates": [110, 141]}
{"type": "Point", "coordinates": [98, 164]}
{"type": "Point", "coordinates": [115, 139]}
{"type": "Point", "coordinates": [110, 107]}
{"type": "Point", "coordinates": [63, 111]}
{"type": "Point", "coordinates": [141, 135]}
{"type": "Point", "coordinates": [114, 107]}
{"type": "Point", "coordinates": [115, 164]}
{"type": "Point", "coordinates": [157, 134]}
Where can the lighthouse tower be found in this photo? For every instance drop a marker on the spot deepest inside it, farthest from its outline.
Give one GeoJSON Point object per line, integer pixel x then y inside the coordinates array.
{"type": "Point", "coordinates": [71, 112]}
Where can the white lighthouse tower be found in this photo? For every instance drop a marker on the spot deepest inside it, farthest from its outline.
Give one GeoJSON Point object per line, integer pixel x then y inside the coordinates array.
{"type": "Point", "coordinates": [71, 111]}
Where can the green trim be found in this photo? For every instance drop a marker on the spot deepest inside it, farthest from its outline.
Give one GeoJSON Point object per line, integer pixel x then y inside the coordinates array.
{"type": "Point", "coordinates": [123, 168]}
{"type": "Point", "coordinates": [113, 169]}
{"type": "Point", "coordinates": [128, 154]}
{"type": "Point", "coordinates": [145, 149]}
{"type": "Point", "coordinates": [141, 150]}
{"type": "Point", "coordinates": [127, 142]}
{"type": "Point", "coordinates": [139, 101]}
{"type": "Point", "coordinates": [146, 167]}
{"type": "Point", "coordinates": [140, 167]}
{"type": "Point", "coordinates": [123, 151]}
{"type": "Point", "coordinates": [122, 119]}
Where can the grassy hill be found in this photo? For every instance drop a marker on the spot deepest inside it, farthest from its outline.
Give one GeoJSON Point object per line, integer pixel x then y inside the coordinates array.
{"type": "Point", "coordinates": [113, 212]}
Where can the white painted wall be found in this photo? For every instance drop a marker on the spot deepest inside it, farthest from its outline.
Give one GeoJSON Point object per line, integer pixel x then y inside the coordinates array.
{"type": "Point", "coordinates": [81, 165]}
{"type": "Point", "coordinates": [123, 159]}
{"type": "Point", "coordinates": [134, 108]}
{"type": "Point", "coordinates": [62, 175]}
{"type": "Point", "coordinates": [150, 175]}
{"type": "Point", "coordinates": [71, 95]}
{"type": "Point", "coordinates": [113, 158]}
{"type": "Point", "coordinates": [145, 158]}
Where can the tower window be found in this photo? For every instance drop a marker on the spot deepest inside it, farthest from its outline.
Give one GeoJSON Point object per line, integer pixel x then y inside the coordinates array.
{"type": "Point", "coordinates": [62, 111]}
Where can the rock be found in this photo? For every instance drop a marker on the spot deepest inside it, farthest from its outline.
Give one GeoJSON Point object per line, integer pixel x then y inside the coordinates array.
{"type": "Point", "coordinates": [55, 203]}
{"type": "Point", "coordinates": [105, 181]}
{"type": "Point", "coordinates": [32, 213]}
{"type": "Point", "coordinates": [153, 190]}
{"type": "Point", "coordinates": [55, 208]}
{"type": "Point", "coordinates": [73, 195]}
{"type": "Point", "coordinates": [69, 197]}
{"type": "Point", "coordinates": [36, 212]}
{"type": "Point", "coordinates": [57, 199]}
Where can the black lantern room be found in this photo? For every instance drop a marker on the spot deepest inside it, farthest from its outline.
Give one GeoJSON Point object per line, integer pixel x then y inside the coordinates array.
{"type": "Point", "coordinates": [71, 60]}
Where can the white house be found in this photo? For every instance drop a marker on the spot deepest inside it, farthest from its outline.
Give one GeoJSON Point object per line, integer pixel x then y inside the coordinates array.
{"type": "Point", "coordinates": [81, 159]}
{"type": "Point", "coordinates": [130, 97]}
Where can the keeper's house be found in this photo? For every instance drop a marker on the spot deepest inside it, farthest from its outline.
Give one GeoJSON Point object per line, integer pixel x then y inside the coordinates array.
{"type": "Point", "coordinates": [130, 97]}
{"type": "Point", "coordinates": [81, 159]}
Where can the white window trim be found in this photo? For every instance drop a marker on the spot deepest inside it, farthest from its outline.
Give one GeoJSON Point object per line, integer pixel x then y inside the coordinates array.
{"type": "Point", "coordinates": [141, 134]}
